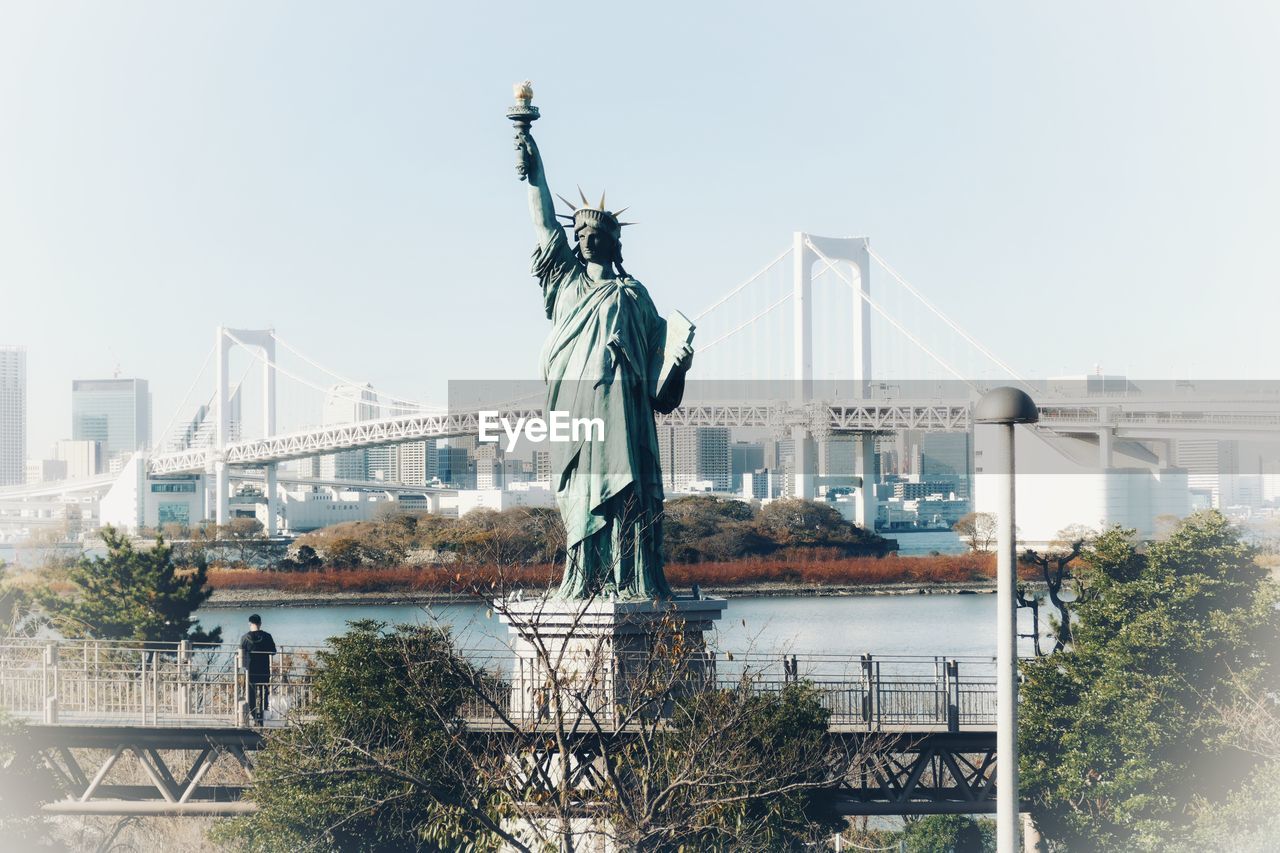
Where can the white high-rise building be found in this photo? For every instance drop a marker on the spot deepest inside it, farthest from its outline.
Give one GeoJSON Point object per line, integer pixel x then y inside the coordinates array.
{"type": "Point", "coordinates": [13, 415]}
{"type": "Point", "coordinates": [691, 455]}
{"type": "Point", "coordinates": [489, 469]}
{"type": "Point", "coordinates": [542, 466]}
{"type": "Point", "coordinates": [347, 404]}
{"type": "Point", "coordinates": [84, 458]}
{"type": "Point", "coordinates": [417, 462]}
{"type": "Point", "coordinates": [1212, 467]}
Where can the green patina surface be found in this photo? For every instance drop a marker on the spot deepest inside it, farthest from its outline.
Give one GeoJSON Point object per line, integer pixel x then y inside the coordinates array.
{"type": "Point", "coordinates": [602, 360]}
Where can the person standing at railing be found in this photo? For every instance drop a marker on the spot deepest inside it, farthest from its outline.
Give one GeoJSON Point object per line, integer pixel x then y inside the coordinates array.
{"type": "Point", "coordinates": [256, 649]}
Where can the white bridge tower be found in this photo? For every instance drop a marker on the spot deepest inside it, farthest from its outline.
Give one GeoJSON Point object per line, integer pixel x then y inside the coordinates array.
{"type": "Point", "coordinates": [263, 340]}
{"type": "Point", "coordinates": [852, 253]}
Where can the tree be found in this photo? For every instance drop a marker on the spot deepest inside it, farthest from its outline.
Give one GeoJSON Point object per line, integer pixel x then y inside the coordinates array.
{"type": "Point", "coordinates": [415, 747]}
{"type": "Point", "coordinates": [732, 769]}
{"type": "Point", "coordinates": [131, 594]}
{"type": "Point", "coordinates": [244, 536]}
{"type": "Point", "coordinates": [949, 834]}
{"type": "Point", "coordinates": [977, 529]}
{"type": "Point", "coordinates": [1248, 821]}
{"type": "Point", "coordinates": [13, 604]}
{"type": "Point", "coordinates": [1119, 733]}
{"type": "Point", "coordinates": [1054, 567]}
{"type": "Point", "coordinates": [381, 766]}
{"type": "Point", "coordinates": [792, 522]}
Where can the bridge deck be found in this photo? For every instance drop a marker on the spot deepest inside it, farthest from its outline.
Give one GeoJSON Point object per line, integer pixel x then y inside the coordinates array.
{"type": "Point", "coordinates": [89, 704]}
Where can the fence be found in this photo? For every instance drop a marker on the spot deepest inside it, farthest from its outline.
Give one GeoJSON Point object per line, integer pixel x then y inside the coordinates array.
{"type": "Point", "coordinates": [93, 682]}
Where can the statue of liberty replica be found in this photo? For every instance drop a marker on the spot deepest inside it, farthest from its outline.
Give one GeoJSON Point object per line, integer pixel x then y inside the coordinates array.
{"type": "Point", "coordinates": [609, 357]}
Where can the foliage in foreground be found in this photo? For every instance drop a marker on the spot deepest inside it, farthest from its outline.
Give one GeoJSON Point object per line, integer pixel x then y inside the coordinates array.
{"type": "Point", "coordinates": [949, 834]}
{"type": "Point", "coordinates": [385, 765]}
{"type": "Point", "coordinates": [1122, 732]}
{"type": "Point", "coordinates": [131, 594]}
{"type": "Point", "coordinates": [734, 770]}
{"type": "Point", "coordinates": [380, 768]}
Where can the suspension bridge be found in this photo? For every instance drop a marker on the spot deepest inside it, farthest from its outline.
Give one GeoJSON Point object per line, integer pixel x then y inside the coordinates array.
{"type": "Point", "coordinates": [789, 350]}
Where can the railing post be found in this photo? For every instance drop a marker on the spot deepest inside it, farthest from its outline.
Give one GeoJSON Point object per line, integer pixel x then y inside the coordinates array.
{"type": "Point", "coordinates": [50, 686]}
{"type": "Point", "coordinates": [870, 698]}
{"type": "Point", "coordinates": [155, 688]}
{"type": "Point", "coordinates": [242, 674]}
{"type": "Point", "coordinates": [142, 686]}
{"type": "Point", "coordinates": [953, 695]}
{"type": "Point", "coordinates": [184, 677]}
{"type": "Point", "coordinates": [876, 708]}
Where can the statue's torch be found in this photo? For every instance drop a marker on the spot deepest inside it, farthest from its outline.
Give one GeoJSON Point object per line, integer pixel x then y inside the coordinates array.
{"type": "Point", "coordinates": [523, 115]}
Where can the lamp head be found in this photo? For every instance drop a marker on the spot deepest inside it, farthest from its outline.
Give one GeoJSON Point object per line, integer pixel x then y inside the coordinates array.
{"type": "Point", "coordinates": [1006, 405]}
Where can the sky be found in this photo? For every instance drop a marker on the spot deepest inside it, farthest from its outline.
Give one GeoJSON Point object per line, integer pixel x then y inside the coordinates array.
{"type": "Point", "coordinates": [1075, 184]}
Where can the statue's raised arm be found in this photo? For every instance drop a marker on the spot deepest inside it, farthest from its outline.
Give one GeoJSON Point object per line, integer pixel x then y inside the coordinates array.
{"type": "Point", "coordinates": [529, 164]}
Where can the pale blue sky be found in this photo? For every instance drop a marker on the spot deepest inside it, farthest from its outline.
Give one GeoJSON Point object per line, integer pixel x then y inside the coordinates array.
{"type": "Point", "coordinates": [1098, 178]}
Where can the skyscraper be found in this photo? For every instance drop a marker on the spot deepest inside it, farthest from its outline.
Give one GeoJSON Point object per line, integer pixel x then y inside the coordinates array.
{"type": "Point", "coordinates": [13, 415]}
{"type": "Point", "coordinates": [115, 412]}
{"type": "Point", "coordinates": [1212, 467]}
{"type": "Point", "coordinates": [489, 469]}
{"type": "Point", "coordinates": [417, 462]}
{"type": "Point", "coordinates": [947, 457]}
{"type": "Point", "coordinates": [747, 457]}
{"type": "Point", "coordinates": [542, 466]}
{"type": "Point", "coordinates": [346, 404]}
{"type": "Point", "coordinates": [691, 455]}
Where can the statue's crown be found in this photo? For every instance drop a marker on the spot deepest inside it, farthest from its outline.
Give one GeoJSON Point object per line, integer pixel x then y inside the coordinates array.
{"type": "Point", "coordinates": [596, 217]}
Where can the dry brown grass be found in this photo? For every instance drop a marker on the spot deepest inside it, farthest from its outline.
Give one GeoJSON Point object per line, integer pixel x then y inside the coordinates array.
{"type": "Point", "coordinates": [811, 569]}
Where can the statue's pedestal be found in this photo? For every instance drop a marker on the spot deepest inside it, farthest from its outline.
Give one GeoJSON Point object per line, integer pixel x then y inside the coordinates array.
{"type": "Point", "coordinates": [606, 655]}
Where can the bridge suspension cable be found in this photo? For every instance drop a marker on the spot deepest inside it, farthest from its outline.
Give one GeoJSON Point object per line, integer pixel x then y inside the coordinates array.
{"type": "Point", "coordinates": [830, 265]}
{"type": "Point", "coordinates": [744, 325]}
{"type": "Point", "coordinates": [164, 433]}
{"type": "Point", "coordinates": [937, 312]}
{"type": "Point", "coordinates": [398, 401]}
{"type": "Point", "coordinates": [732, 293]}
{"type": "Point", "coordinates": [253, 352]}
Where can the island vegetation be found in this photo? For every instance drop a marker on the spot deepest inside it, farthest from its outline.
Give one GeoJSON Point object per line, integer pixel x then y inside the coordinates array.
{"type": "Point", "coordinates": [714, 542]}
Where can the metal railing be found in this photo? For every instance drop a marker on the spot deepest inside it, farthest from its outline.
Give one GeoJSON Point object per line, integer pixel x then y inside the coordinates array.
{"type": "Point", "coordinates": [94, 682]}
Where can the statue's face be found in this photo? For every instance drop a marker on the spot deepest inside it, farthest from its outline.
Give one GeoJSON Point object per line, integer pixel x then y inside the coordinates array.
{"type": "Point", "coordinates": [596, 245]}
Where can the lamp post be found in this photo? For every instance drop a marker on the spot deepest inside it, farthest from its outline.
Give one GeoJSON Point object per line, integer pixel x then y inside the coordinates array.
{"type": "Point", "coordinates": [1005, 407]}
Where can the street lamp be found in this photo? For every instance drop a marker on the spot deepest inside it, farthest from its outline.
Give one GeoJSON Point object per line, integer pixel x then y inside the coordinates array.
{"type": "Point", "coordinates": [1005, 407]}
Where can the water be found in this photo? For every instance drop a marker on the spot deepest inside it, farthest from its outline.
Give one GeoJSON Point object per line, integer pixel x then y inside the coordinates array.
{"type": "Point", "coordinates": [944, 624]}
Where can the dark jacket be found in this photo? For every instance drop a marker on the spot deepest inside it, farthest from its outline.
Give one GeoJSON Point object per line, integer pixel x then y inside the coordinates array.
{"type": "Point", "coordinates": [260, 647]}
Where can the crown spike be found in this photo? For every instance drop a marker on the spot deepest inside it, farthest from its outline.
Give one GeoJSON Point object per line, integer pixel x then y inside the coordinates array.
{"type": "Point", "coordinates": [566, 201]}
{"type": "Point", "coordinates": [618, 213]}
{"type": "Point", "coordinates": [602, 199]}
{"type": "Point", "coordinates": [625, 224]}
{"type": "Point", "coordinates": [583, 195]}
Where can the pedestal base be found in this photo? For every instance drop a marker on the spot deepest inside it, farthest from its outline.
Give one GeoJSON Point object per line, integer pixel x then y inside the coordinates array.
{"type": "Point", "coordinates": [608, 657]}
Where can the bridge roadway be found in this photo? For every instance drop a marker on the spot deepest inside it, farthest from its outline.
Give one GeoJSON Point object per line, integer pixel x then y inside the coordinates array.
{"type": "Point", "coordinates": [178, 717]}
{"type": "Point", "coordinates": [1125, 418]}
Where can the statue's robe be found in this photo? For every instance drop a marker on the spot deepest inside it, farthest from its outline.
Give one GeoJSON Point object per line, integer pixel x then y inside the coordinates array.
{"type": "Point", "coordinates": [600, 361]}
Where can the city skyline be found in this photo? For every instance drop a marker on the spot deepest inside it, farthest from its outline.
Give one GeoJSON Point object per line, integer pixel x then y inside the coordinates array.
{"type": "Point", "coordinates": [343, 157]}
